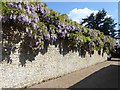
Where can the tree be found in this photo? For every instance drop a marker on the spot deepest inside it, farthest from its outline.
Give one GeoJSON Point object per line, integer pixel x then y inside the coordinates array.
{"type": "Point", "coordinates": [100, 21]}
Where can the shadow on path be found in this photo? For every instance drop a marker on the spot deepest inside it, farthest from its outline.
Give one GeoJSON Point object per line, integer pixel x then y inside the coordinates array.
{"type": "Point", "coordinates": [104, 78]}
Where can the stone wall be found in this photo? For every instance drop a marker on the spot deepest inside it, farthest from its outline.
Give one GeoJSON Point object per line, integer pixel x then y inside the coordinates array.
{"type": "Point", "coordinates": [50, 65]}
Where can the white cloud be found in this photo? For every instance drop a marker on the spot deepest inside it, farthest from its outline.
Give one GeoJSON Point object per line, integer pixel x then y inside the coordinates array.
{"type": "Point", "coordinates": [77, 14]}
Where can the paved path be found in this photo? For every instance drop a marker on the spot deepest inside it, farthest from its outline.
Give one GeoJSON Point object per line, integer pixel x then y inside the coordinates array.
{"type": "Point", "coordinates": [102, 75]}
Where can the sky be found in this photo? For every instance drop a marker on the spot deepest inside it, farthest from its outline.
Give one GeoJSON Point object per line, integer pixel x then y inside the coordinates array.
{"type": "Point", "coordinates": [78, 10]}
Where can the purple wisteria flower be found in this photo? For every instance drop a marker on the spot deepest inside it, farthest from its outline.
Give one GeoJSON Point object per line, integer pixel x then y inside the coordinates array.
{"type": "Point", "coordinates": [52, 30]}
{"type": "Point", "coordinates": [14, 17]}
{"type": "Point", "coordinates": [39, 32]}
{"type": "Point", "coordinates": [53, 38]}
{"type": "Point", "coordinates": [38, 6]}
{"type": "Point", "coordinates": [91, 44]}
{"type": "Point", "coordinates": [27, 3]}
{"type": "Point", "coordinates": [27, 30]}
{"type": "Point", "coordinates": [11, 16]}
{"type": "Point", "coordinates": [47, 36]}
{"type": "Point", "coordinates": [60, 31]}
{"type": "Point", "coordinates": [11, 5]}
{"type": "Point", "coordinates": [37, 43]}
{"type": "Point", "coordinates": [19, 6]}
{"type": "Point", "coordinates": [4, 19]}
{"type": "Point", "coordinates": [62, 35]}
{"type": "Point", "coordinates": [34, 25]}
{"type": "Point", "coordinates": [39, 40]}
{"type": "Point", "coordinates": [31, 31]}
{"type": "Point", "coordinates": [29, 12]}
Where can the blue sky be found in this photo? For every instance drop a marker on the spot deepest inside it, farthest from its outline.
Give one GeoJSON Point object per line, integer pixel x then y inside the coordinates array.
{"type": "Point", "coordinates": [77, 10]}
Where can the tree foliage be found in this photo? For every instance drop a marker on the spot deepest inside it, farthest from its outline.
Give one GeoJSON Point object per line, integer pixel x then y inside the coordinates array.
{"type": "Point", "coordinates": [100, 21]}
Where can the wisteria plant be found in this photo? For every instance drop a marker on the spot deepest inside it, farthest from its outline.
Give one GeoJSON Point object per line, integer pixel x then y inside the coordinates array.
{"type": "Point", "coordinates": [33, 24]}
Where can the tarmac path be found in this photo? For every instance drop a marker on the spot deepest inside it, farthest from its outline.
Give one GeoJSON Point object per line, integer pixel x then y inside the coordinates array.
{"type": "Point", "coordinates": [102, 75]}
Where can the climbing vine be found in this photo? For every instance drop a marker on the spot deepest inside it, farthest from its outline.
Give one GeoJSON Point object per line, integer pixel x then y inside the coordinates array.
{"type": "Point", "coordinates": [34, 25]}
